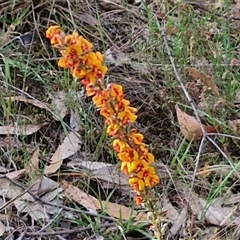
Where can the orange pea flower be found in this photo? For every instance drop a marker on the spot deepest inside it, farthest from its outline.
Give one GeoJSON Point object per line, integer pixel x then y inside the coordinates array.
{"type": "Point", "coordinates": [78, 56]}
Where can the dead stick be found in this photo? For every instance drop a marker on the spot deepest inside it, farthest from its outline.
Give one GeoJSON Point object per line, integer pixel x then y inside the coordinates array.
{"type": "Point", "coordinates": [76, 230]}
{"type": "Point", "coordinates": [16, 197]}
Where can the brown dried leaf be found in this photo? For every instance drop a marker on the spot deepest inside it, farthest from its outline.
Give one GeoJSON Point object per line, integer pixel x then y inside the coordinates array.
{"type": "Point", "coordinates": [119, 211]}
{"type": "Point", "coordinates": [110, 4]}
{"type": "Point", "coordinates": [71, 144]}
{"type": "Point", "coordinates": [236, 9]}
{"type": "Point", "coordinates": [15, 174]}
{"type": "Point", "coordinates": [34, 160]}
{"type": "Point", "coordinates": [5, 36]}
{"type": "Point", "coordinates": [56, 162]}
{"type": "Point", "coordinates": [79, 196]}
{"type": "Point", "coordinates": [109, 174]}
{"type": "Point", "coordinates": [9, 142]}
{"type": "Point", "coordinates": [180, 221]}
{"type": "Point", "coordinates": [172, 213]}
{"type": "Point", "coordinates": [24, 203]}
{"type": "Point", "coordinates": [89, 19]}
{"type": "Point", "coordinates": [35, 210]}
{"type": "Point", "coordinates": [21, 130]}
{"type": "Point", "coordinates": [2, 229]}
{"type": "Point", "coordinates": [88, 201]}
{"type": "Point", "coordinates": [205, 80]}
{"type": "Point", "coordinates": [35, 103]}
{"type": "Point", "coordinates": [44, 185]}
{"type": "Point", "coordinates": [59, 105]}
{"type": "Point", "coordinates": [117, 57]}
{"type": "Point", "coordinates": [190, 127]}
{"type": "Point", "coordinates": [235, 125]}
{"type": "Point", "coordinates": [75, 120]}
{"type": "Point", "coordinates": [216, 215]}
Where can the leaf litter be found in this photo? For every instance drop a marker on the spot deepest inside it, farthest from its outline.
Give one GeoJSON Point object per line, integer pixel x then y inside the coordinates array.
{"type": "Point", "coordinates": [190, 127]}
{"type": "Point", "coordinates": [24, 130]}
{"type": "Point", "coordinates": [215, 214]}
{"type": "Point", "coordinates": [70, 145]}
{"type": "Point", "coordinates": [108, 174]}
{"type": "Point", "coordinates": [90, 202]}
{"type": "Point", "coordinates": [34, 102]}
{"type": "Point", "coordinates": [59, 105]}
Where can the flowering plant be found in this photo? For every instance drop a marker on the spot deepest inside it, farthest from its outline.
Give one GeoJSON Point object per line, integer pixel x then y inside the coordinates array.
{"type": "Point", "coordinates": [136, 160]}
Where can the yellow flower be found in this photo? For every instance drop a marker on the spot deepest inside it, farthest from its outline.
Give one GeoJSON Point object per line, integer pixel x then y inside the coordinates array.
{"type": "Point", "coordinates": [138, 198]}
{"type": "Point", "coordinates": [78, 72]}
{"type": "Point", "coordinates": [128, 115]}
{"type": "Point", "coordinates": [101, 99]}
{"type": "Point", "coordinates": [136, 183]}
{"type": "Point", "coordinates": [95, 74]}
{"type": "Point", "coordinates": [53, 30]}
{"type": "Point", "coordinates": [122, 104]}
{"type": "Point", "coordinates": [154, 180]}
{"type": "Point", "coordinates": [112, 129]}
{"type": "Point", "coordinates": [71, 39]}
{"type": "Point", "coordinates": [62, 62]}
{"type": "Point", "coordinates": [116, 92]}
{"type": "Point", "coordinates": [129, 167]}
{"type": "Point", "coordinates": [77, 55]}
{"type": "Point", "coordinates": [128, 155]}
{"type": "Point", "coordinates": [143, 165]}
{"type": "Point", "coordinates": [119, 145]}
{"type": "Point", "coordinates": [108, 114]}
{"type": "Point", "coordinates": [95, 61]}
{"type": "Point", "coordinates": [148, 157]}
{"type": "Point", "coordinates": [90, 90]}
{"type": "Point", "coordinates": [136, 138]}
{"type": "Point", "coordinates": [70, 58]}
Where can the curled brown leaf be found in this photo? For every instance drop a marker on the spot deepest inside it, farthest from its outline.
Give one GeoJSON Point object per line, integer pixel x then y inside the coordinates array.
{"type": "Point", "coordinates": [190, 127]}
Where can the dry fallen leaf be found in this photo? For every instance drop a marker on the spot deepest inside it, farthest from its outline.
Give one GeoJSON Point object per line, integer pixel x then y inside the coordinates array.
{"type": "Point", "coordinates": [110, 4]}
{"type": "Point", "coordinates": [79, 196]}
{"type": "Point", "coordinates": [2, 229]}
{"type": "Point", "coordinates": [23, 202]}
{"type": "Point", "coordinates": [205, 80]}
{"type": "Point", "coordinates": [90, 202]}
{"type": "Point", "coordinates": [35, 210]}
{"type": "Point", "coordinates": [75, 121]}
{"type": "Point", "coordinates": [21, 130]}
{"type": "Point", "coordinates": [216, 215]}
{"type": "Point", "coordinates": [70, 145]}
{"type": "Point", "coordinates": [235, 125]}
{"type": "Point", "coordinates": [89, 19]}
{"type": "Point", "coordinates": [59, 105]}
{"type": "Point", "coordinates": [180, 221]}
{"type": "Point", "coordinates": [44, 185]}
{"type": "Point", "coordinates": [9, 142]}
{"type": "Point", "coordinates": [236, 9]}
{"type": "Point", "coordinates": [34, 160]}
{"type": "Point", "coordinates": [190, 127]}
{"type": "Point", "coordinates": [172, 213]}
{"type": "Point", "coordinates": [4, 170]}
{"type": "Point", "coordinates": [5, 35]}
{"type": "Point", "coordinates": [110, 174]}
{"type": "Point", "coordinates": [15, 174]}
{"type": "Point", "coordinates": [119, 211]}
{"type": "Point", "coordinates": [35, 103]}
{"type": "Point", "coordinates": [32, 167]}
{"type": "Point", "coordinates": [55, 162]}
